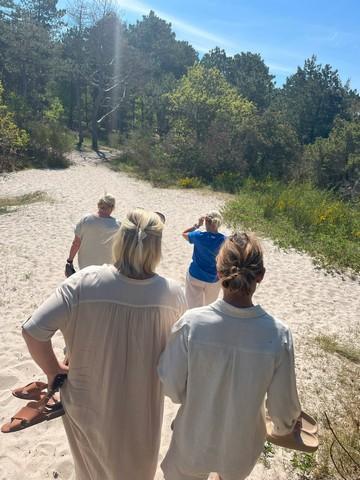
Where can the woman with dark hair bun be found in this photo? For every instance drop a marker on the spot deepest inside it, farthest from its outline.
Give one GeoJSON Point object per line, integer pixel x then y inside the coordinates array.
{"type": "Point", "coordinates": [222, 362]}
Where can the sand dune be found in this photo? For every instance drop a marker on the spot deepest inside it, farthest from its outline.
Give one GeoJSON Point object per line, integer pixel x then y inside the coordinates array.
{"type": "Point", "coordinates": [34, 244]}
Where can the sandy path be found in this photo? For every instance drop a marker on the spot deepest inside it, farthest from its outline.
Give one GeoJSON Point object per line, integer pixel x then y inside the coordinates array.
{"type": "Point", "coordinates": [34, 243]}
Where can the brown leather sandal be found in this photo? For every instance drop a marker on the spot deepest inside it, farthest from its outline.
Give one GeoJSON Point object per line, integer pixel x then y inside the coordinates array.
{"type": "Point", "coordinates": [32, 414]}
{"type": "Point", "coordinates": [32, 391]}
{"type": "Point", "coordinates": [37, 412]}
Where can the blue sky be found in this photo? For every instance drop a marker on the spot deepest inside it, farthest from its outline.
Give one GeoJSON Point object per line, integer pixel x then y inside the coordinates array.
{"type": "Point", "coordinates": [284, 32]}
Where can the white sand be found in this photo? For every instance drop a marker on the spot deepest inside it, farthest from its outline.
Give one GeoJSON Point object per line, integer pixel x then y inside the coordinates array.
{"type": "Point", "coordinates": [34, 244]}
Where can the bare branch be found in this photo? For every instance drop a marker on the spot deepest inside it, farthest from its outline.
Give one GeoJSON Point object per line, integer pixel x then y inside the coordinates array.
{"type": "Point", "coordinates": [333, 461]}
{"type": "Point", "coordinates": [108, 113]}
{"type": "Point", "coordinates": [337, 439]}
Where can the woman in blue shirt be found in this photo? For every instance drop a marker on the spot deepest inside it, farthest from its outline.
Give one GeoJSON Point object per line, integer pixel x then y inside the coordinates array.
{"type": "Point", "coordinates": [202, 284]}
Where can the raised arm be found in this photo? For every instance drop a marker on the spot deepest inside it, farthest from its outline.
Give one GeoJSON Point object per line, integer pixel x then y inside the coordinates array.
{"type": "Point", "coordinates": [191, 229]}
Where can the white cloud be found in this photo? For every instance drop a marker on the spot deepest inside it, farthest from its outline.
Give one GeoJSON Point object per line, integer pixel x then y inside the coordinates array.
{"type": "Point", "coordinates": [180, 25]}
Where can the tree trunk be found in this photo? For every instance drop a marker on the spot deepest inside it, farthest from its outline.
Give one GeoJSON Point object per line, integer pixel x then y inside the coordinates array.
{"type": "Point", "coordinates": [94, 118]}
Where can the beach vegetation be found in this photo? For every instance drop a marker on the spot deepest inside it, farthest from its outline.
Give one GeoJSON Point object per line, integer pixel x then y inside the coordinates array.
{"type": "Point", "coordinates": [189, 182]}
{"type": "Point", "coordinates": [300, 216]}
{"type": "Point", "coordinates": [9, 204]}
{"type": "Point", "coordinates": [331, 344]}
{"type": "Point", "coordinates": [338, 456]}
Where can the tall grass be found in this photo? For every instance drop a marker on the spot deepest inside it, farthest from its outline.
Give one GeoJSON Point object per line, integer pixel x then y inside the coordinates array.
{"type": "Point", "coordinates": [302, 217]}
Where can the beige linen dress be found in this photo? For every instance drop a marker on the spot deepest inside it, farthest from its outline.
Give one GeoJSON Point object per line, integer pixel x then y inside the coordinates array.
{"type": "Point", "coordinates": [115, 329]}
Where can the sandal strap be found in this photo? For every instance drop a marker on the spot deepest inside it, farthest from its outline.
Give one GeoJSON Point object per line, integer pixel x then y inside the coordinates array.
{"type": "Point", "coordinates": [26, 414]}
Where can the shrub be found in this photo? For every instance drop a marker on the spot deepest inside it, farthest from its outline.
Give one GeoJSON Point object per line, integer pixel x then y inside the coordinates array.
{"type": "Point", "coordinates": [13, 140]}
{"type": "Point", "coordinates": [227, 182]}
{"type": "Point", "coordinates": [303, 217]}
{"type": "Point", "coordinates": [189, 182]}
{"type": "Point", "coordinates": [49, 142]}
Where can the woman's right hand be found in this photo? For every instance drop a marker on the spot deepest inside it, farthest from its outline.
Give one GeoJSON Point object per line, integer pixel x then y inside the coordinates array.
{"type": "Point", "coordinates": [62, 368]}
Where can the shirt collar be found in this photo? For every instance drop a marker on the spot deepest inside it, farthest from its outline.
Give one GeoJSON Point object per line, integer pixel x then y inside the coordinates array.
{"type": "Point", "coordinates": [248, 312]}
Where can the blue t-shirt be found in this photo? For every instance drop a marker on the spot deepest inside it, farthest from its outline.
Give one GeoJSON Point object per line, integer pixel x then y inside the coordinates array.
{"type": "Point", "coordinates": [206, 247]}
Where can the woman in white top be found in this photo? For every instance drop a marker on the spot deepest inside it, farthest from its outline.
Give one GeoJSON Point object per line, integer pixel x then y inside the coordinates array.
{"type": "Point", "coordinates": [93, 236]}
{"type": "Point", "coordinates": [115, 320]}
{"type": "Point", "coordinates": [222, 362]}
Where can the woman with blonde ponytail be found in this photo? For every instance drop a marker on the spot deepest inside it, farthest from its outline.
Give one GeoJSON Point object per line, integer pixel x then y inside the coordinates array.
{"type": "Point", "coordinates": [115, 320]}
{"type": "Point", "coordinates": [221, 364]}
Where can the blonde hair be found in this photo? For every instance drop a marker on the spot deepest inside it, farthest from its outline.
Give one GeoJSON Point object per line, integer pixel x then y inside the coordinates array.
{"type": "Point", "coordinates": [239, 262]}
{"type": "Point", "coordinates": [137, 244]}
{"type": "Point", "coordinates": [214, 217]}
{"type": "Point", "coordinates": [107, 200]}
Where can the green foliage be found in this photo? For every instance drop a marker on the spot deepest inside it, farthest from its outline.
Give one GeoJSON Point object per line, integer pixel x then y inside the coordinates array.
{"type": "Point", "coordinates": [303, 464]}
{"type": "Point", "coordinates": [300, 216]}
{"type": "Point", "coordinates": [154, 37]}
{"type": "Point", "coordinates": [311, 99]}
{"type": "Point", "coordinates": [12, 139]}
{"type": "Point", "coordinates": [217, 58]}
{"type": "Point", "coordinates": [335, 161]}
{"type": "Point", "coordinates": [267, 454]}
{"type": "Point", "coordinates": [202, 95]}
{"type": "Point", "coordinates": [227, 182]}
{"type": "Point", "coordinates": [49, 142]}
{"type": "Point", "coordinates": [44, 12]}
{"type": "Point", "coordinates": [55, 111]}
{"type": "Point", "coordinates": [252, 79]}
{"type": "Point", "coordinates": [247, 72]}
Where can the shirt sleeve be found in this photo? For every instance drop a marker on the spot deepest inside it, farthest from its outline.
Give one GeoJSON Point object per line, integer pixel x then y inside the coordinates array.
{"type": "Point", "coordinates": [55, 313]}
{"type": "Point", "coordinates": [282, 398]}
{"type": "Point", "coordinates": [78, 230]}
{"type": "Point", "coordinates": [193, 236]}
{"type": "Point", "coordinates": [173, 364]}
{"type": "Point", "coordinates": [182, 302]}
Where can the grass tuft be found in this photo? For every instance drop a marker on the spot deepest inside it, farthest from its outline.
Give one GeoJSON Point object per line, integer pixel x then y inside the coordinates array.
{"type": "Point", "coordinates": [7, 204]}
{"type": "Point", "coordinates": [331, 345]}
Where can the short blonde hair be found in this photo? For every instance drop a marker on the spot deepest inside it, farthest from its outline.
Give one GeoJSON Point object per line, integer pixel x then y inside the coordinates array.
{"type": "Point", "coordinates": [137, 244]}
{"type": "Point", "coordinates": [240, 261]}
{"type": "Point", "coordinates": [107, 200]}
{"type": "Point", "coordinates": [214, 217]}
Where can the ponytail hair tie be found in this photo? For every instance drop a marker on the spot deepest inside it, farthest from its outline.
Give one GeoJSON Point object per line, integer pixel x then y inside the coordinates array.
{"type": "Point", "coordinates": [141, 234]}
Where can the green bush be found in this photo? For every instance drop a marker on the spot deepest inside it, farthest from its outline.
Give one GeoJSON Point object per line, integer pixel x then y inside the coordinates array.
{"type": "Point", "coordinates": [49, 142]}
{"type": "Point", "coordinates": [13, 140]}
{"type": "Point", "coordinates": [227, 182]}
{"type": "Point", "coordinates": [302, 217]}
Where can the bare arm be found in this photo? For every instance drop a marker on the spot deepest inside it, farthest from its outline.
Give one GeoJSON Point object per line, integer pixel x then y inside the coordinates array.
{"type": "Point", "coordinates": [191, 229]}
{"type": "Point", "coordinates": [74, 248]}
{"type": "Point", "coordinates": [44, 356]}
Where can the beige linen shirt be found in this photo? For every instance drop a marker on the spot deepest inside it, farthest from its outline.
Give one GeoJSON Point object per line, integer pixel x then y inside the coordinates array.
{"type": "Point", "coordinates": [115, 329]}
{"type": "Point", "coordinates": [220, 364]}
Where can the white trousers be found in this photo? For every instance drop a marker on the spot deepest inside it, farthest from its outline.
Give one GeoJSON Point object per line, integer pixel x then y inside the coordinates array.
{"type": "Point", "coordinates": [199, 293]}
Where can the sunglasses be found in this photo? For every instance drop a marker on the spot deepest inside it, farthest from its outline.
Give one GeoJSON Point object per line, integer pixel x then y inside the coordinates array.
{"type": "Point", "coordinates": [159, 214]}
